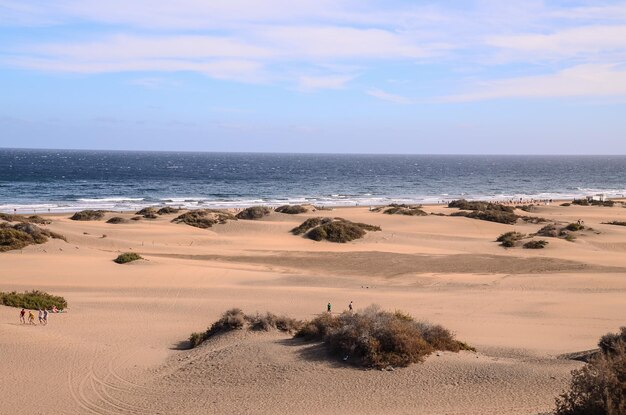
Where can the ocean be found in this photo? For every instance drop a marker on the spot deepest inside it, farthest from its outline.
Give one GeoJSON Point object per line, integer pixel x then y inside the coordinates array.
{"type": "Point", "coordinates": [70, 180]}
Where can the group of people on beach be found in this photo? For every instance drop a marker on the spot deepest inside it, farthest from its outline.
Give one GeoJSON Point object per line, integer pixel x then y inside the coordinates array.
{"type": "Point", "coordinates": [43, 316]}
{"type": "Point", "coordinates": [329, 307]}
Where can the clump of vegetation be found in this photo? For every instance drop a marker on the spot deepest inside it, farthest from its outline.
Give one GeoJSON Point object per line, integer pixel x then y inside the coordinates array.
{"type": "Point", "coordinates": [379, 339]}
{"type": "Point", "coordinates": [146, 211]}
{"type": "Point", "coordinates": [408, 210]}
{"type": "Point", "coordinates": [498, 216]}
{"type": "Point", "coordinates": [22, 234]}
{"type": "Point", "coordinates": [254, 212]}
{"type": "Point", "coordinates": [538, 244]}
{"type": "Point", "coordinates": [127, 257]}
{"type": "Point", "coordinates": [117, 220]}
{"type": "Point", "coordinates": [32, 300]}
{"type": "Point", "coordinates": [291, 209]}
{"type": "Point", "coordinates": [575, 227]}
{"type": "Point", "coordinates": [235, 319]}
{"type": "Point", "coordinates": [85, 215]}
{"type": "Point", "coordinates": [168, 210]}
{"type": "Point", "coordinates": [479, 205]}
{"type": "Point", "coordinates": [566, 204]}
{"type": "Point", "coordinates": [526, 208]}
{"type": "Point", "coordinates": [588, 202]}
{"type": "Point", "coordinates": [551, 231]}
{"type": "Point", "coordinates": [599, 388]}
{"type": "Point", "coordinates": [25, 219]}
{"type": "Point", "coordinates": [534, 219]}
{"type": "Point", "coordinates": [510, 239]}
{"type": "Point", "coordinates": [204, 218]}
{"type": "Point", "coordinates": [615, 222]}
{"type": "Point", "coordinates": [136, 218]}
{"type": "Point", "coordinates": [333, 229]}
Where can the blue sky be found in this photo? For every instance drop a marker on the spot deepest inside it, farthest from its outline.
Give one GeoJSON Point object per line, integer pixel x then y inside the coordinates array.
{"type": "Point", "coordinates": [359, 76]}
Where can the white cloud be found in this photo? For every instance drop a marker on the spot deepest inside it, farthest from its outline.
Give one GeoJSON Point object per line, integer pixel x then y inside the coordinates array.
{"type": "Point", "coordinates": [386, 96]}
{"type": "Point", "coordinates": [308, 83]}
{"type": "Point", "coordinates": [593, 80]}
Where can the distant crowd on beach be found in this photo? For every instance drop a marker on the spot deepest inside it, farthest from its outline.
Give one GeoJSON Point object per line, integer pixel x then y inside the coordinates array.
{"type": "Point", "coordinates": [513, 202]}
{"type": "Point", "coordinates": [43, 316]}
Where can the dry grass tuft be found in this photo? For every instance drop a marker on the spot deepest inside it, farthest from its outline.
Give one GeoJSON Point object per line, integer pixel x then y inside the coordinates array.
{"type": "Point", "coordinates": [25, 219]}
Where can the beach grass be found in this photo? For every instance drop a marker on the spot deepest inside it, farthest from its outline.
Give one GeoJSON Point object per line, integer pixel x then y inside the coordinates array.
{"type": "Point", "coordinates": [33, 300]}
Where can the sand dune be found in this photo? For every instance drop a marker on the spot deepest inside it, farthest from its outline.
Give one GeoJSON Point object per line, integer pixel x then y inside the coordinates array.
{"type": "Point", "coordinates": [117, 349]}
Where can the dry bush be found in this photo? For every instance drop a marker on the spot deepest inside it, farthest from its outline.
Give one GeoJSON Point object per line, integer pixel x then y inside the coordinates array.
{"type": "Point", "coordinates": [479, 205]}
{"type": "Point", "coordinates": [88, 215]}
{"type": "Point", "coordinates": [510, 239]}
{"type": "Point", "coordinates": [25, 219]}
{"type": "Point", "coordinates": [599, 388]}
{"type": "Point", "coordinates": [575, 227]}
{"type": "Point", "coordinates": [566, 204]}
{"type": "Point", "coordinates": [22, 234]}
{"type": "Point", "coordinates": [534, 219]}
{"type": "Point", "coordinates": [551, 231]}
{"type": "Point", "coordinates": [269, 321]}
{"type": "Point", "coordinates": [254, 212]}
{"type": "Point", "coordinates": [539, 244]}
{"type": "Point", "coordinates": [204, 218]}
{"type": "Point", "coordinates": [291, 209]}
{"type": "Point", "coordinates": [615, 222]}
{"type": "Point", "coordinates": [408, 210]}
{"type": "Point", "coordinates": [117, 220]}
{"type": "Point", "coordinates": [378, 339]}
{"type": "Point", "coordinates": [127, 257]}
{"type": "Point", "coordinates": [147, 211]}
{"type": "Point", "coordinates": [498, 216]}
{"type": "Point", "coordinates": [585, 202]}
{"type": "Point", "coordinates": [167, 210]}
{"type": "Point", "coordinates": [333, 229]}
{"type": "Point", "coordinates": [32, 300]}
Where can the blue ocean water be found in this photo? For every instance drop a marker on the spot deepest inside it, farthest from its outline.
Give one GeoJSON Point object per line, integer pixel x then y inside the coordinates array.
{"type": "Point", "coordinates": [66, 180]}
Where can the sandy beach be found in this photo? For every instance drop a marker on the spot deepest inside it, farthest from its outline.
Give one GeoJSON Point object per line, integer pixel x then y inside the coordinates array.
{"type": "Point", "coordinates": [120, 347]}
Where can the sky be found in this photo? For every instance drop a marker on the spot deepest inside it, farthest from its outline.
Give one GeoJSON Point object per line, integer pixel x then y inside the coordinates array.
{"type": "Point", "coordinates": [323, 76]}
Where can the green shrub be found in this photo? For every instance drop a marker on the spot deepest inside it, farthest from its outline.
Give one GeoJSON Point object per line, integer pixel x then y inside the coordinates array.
{"type": "Point", "coordinates": [575, 227]}
{"type": "Point", "coordinates": [32, 300]}
{"type": "Point", "coordinates": [22, 234]}
{"type": "Point", "coordinates": [88, 215]}
{"type": "Point", "coordinates": [586, 202]}
{"type": "Point", "coordinates": [598, 388]}
{"type": "Point", "coordinates": [291, 209]}
{"type": "Point", "coordinates": [509, 239]}
{"type": "Point", "coordinates": [408, 210]}
{"type": "Point", "coordinates": [204, 218]}
{"type": "Point", "coordinates": [479, 205]}
{"type": "Point", "coordinates": [254, 212]}
{"type": "Point", "coordinates": [498, 216]}
{"type": "Point", "coordinates": [136, 218]}
{"type": "Point", "coordinates": [540, 244]}
{"type": "Point", "coordinates": [378, 339]}
{"type": "Point", "coordinates": [117, 220]}
{"type": "Point", "coordinates": [615, 222]}
{"type": "Point", "coordinates": [147, 211]}
{"type": "Point", "coordinates": [580, 202]}
{"type": "Point", "coordinates": [333, 229]}
{"type": "Point", "coordinates": [127, 257]}
{"type": "Point", "coordinates": [566, 204]}
{"type": "Point", "coordinates": [534, 219]}
{"type": "Point", "coordinates": [551, 231]}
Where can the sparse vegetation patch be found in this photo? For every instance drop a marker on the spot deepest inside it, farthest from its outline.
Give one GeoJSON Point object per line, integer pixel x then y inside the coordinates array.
{"type": "Point", "coordinates": [85, 215]}
{"type": "Point", "coordinates": [117, 220]}
{"type": "Point", "coordinates": [204, 218]}
{"type": "Point", "coordinates": [333, 229]}
{"type": "Point", "coordinates": [32, 300]}
{"type": "Point", "coordinates": [291, 209]}
{"type": "Point", "coordinates": [254, 212]}
{"type": "Point", "coordinates": [408, 210]}
{"type": "Point", "coordinates": [538, 244]}
{"type": "Point", "coordinates": [167, 210]}
{"type": "Point", "coordinates": [25, 219]}
{"type": "Point", "coordinates": [127, 257]}
{"type": "Point", "coordinates": [510, 239]}
{"type": "Point", "coordinates": [615, 222]}
{"type": "Point", "coordinates": [22, 234]}
{"type": "Point", "coordinates": [479, 205]}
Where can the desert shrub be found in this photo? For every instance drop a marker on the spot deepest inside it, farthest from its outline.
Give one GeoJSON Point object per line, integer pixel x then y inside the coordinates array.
{"type": "Point", "coordinates": [117, 220]}
{"type": "Point", "coordinates": [32, 300]}
{"type": "Point", "coordinates": [408, 210]}
{"type": "Point", "coordinates": [566, 204]}
{"type": "Point", "coordinates": [540, 244]}
{"type": "Point", "coordinates": [378, 339]}
{"type": "Point", "coordinates": [167, 210]}
{"type": "Point", "coordinates": [22, 234]}
{"type": "Point", "coordinates": [551, 231]}
{"type": "Point", "coordinates": [88, 215]}
{"type": "Point", "coordinates": [509, 239]}
{"type": "Point", "coordinates": [586, 202]}
{"type": "Point", "coordinates": [598, 388]}
{"type": "Point", "coordinates": [127, 257]}
{"type": "Point", "coordinates": [479, 205]}
{"type": "Point", "coordinates": [26, 219]}
{"type": "Point", "coordinates": [235, 319]}
{"type": "Point", "coordinates": [291, 209]}
{"type": "Point", "coordinates": [498, 216]}
{"type": "Point", "coordinates": [580, 202]}
{"type": "Point", "coordinates": [254, 212]}
{"type": "Point", "coordinates": [615, 222]}
{"type": "Point", "coordinates": [534, 219]}
{"type": "Point", "coordinates": [136, 218]}
{"type": "Point", "coordinates": [333, 229]}
{"type": "Point", "coordinates": [575, 227]}
{"type": "Point", "coordinates": [147, 211]}
{"type": "Point", "coordinates": [525, 208]}
{"type": "Point", "coordinates": [204, 218]}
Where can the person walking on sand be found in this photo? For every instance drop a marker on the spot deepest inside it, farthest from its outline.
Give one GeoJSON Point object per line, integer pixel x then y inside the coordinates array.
{"type": "Point", "coordinates": [31, 318]}
{"type": "Point", "coordinates": [22, 316]}
{"type": "Point", "coordinates": [40, 316]}
{"type": "Point", "coordinates": [350, 306]}
{"type": "Point", "coordinates": [328, 307]}
{"type": "Point", "coordinates": [45, 316]}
